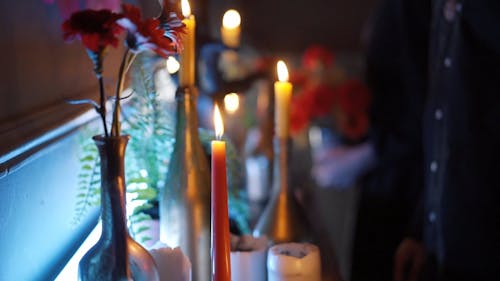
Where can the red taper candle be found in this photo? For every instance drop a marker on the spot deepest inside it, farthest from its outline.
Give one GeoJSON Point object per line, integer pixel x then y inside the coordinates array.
{"type": "Point", "coordinates": [221, 264]}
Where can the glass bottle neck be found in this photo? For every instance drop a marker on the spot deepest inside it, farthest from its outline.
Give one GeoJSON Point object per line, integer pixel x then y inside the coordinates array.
{"type": "Point", "coordinates": [113, 211]}
{"type": "Point", "coordinates": [187, 114]}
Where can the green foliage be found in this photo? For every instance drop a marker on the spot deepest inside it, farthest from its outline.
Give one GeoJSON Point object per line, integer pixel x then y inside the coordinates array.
{"type": "Point", "coordinates": [150, 122]}
{"type": "Point", "coordinates": [89, 176]}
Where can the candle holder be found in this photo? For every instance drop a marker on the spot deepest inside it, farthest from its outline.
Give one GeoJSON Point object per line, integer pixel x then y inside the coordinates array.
{"type": "Point", "coordinates": [283, 219]}
{"type": "Point", "coordinates": [185, 199]}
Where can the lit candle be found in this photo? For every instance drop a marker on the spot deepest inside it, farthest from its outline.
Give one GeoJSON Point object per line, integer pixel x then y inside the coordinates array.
{"type": "Point", "coordinates": [282, 96]}
{"type": "Point", "coordinates": [187, 71]}
{"type": "Point", "coordinates": [230, 30]}
{"type": "Point", "coordinates": [221, 266]}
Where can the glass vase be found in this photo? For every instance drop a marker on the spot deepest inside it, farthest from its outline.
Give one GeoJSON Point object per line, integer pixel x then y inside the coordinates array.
{"type": "Point", "coordinates": [185, 200]}
{"type": "Point", "coordinates": [116, 256]}
{"type": "Point", "coordinates": [283, 219]}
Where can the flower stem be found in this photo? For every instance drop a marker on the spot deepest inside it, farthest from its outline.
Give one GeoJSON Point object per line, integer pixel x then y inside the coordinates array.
{"type": "Point", "coordinates": [126, 61]}
{"type": "Point", "coordinates": [96, 58]}
{"type": "Point", "coordinates": [102, 105]}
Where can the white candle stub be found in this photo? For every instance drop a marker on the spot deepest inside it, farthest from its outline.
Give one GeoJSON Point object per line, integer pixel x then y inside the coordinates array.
{"type": "Point", "coordinates": [294, 262]}
{"type": "Point", "coordinates": [248, 258]}
{"type": "Point", "coordinates": [172, 264]}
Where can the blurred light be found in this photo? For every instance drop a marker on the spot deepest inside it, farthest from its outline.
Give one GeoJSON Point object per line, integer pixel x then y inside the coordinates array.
{"type": "Point", "coordinates": [165, 85]}
{"type": "Point", "coordinates": [231, 19]}
{"type": "Point", "coordinates": [231, 102]}
{"type": "Point", "coordinates": [173, 65]}
{"type": "Point", "coordinates": [282, 71]}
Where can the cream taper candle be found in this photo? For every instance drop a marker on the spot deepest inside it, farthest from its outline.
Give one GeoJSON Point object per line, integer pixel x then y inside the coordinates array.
{"type": "Point", "coordinates": [282, 96]}
{"type": "Point", "coordinates": [187, 57]}
{"type": "Point", "coordinates": [230, 30]}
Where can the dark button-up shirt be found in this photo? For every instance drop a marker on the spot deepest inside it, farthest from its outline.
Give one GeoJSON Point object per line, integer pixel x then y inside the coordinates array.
{"type": "Point", "coordinates": [461, 125]}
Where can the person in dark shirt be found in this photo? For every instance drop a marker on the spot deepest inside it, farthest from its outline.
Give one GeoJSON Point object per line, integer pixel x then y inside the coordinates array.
{"type": "Point", "coordinates": [458, 223]}
{"type": "Point", "coordinates": [434, 69]}
{"type": "Point", "coordinates": [396, 74]}
{"type": "Point", "coordinates": [388, 166]}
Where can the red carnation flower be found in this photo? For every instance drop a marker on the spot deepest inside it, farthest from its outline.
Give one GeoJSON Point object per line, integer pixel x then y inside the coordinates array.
{"type": "Point", "coordinates": [324, 97]}
{"type": "Point", "coordinates": [317, 54]}
{"type": "Point", "coordinates": [173, 28]}
{"type": "Point", "coordinates": [354, 127]}
{"type": "Point", "coordinates": [96, 29]}
{"type": "Point", "coordinates": [300, 114]}
{"type": "Point", "coordinates": [145, 34]}
{"type": "Point", "coordinates": [353, 97]}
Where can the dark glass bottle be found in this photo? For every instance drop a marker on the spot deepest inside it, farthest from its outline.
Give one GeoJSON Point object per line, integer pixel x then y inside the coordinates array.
{"type": "Point", "coordinates": [185, 199]}
{"type": "Point", "coordinates": [116, 256]}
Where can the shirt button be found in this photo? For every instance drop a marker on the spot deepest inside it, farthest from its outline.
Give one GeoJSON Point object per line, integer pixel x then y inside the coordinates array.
{"type": "Point", "coordinates": [434, 166]}
{"type": "Point", "coordinates": [438, 114]}
{"type": "Point", "coordinates": [432, 217]}
{"type": "Point", "coordinates": [447, 62]}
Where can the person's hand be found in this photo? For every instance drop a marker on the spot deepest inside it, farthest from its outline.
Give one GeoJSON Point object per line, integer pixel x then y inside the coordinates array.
{"type": "Point", "coordinates": [340, 167]}
{"type": "Point", "coordinates": [408, 260]}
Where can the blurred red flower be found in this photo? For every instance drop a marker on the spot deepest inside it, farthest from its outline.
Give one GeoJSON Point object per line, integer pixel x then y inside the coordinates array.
{"type": "Point", "coordinates": [317, 54]}
{"type": "Point", "coordinates": [145, 34]}
{"type": "Point", "coordinates": [96, 29]}
{"type": "Point", "coordinates": [326, 97]}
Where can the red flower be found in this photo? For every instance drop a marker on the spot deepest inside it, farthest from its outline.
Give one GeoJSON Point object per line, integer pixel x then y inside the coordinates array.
{"type": "Point", "coordinates": [317, 54]}
{"type": "Point", "coordinates": [96, 29]}
{"type": "Point", "coordinates": [353, 127]}
{"type": "Point", "coordinates": [353, 103]}
{"type": "Point", "coordinates": [300, 112]}
{"type": "Point", "coordinates": [173, 28]}
{"type": "Point", "coordinates": [145, 34]}
{"type": "Point", "coordinates": [353, 97]}
{"type": "Point", "coordinates": [324, 98]}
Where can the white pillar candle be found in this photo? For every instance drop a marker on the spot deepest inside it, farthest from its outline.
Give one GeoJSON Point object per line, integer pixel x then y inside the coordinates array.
{"type": "Point", "coordinates": [294, 262]}
{"type": "Point", "coordinates": [248, 258]}
{"type": "Point", "coordinates": [171, 263]}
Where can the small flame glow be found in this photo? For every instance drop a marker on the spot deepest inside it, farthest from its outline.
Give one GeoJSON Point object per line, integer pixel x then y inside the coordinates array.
{"type": "Point", "coordinates": [186, 9]}
{"type": "Point", "coordinates": [282, 71]}
{"type": "Point", "coordinates": [231, 102]}
{"type": "Point", "coordinates": [219, 126]}
{"type": "Point", "coordinates": [231, 19]}
{"type": "Point", "coordinates": [172, 65]}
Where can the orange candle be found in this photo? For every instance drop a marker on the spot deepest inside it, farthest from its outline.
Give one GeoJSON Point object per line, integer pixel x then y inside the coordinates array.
{"type": "Point", "coordinates": [221, 266]}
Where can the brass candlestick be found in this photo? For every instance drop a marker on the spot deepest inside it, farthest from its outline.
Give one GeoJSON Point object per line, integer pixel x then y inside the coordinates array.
{"type": "Point", "coordinates": [283, 219]}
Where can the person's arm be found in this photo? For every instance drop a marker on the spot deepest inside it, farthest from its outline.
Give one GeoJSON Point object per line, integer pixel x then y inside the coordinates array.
{"type": "Point", "coordinates": [341, 166]}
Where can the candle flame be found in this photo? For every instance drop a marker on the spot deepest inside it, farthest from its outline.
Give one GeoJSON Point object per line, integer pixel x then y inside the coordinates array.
{"type": "Point", "coordinates": [282, 71]}
{"type": "Point", "coordinates": [231, 19]}
{"type": "Point", "coordinates": [219, 126]}
{"type": "Point", "coordinates": [186, 9]}
{"type": "Point", "coordinates": [231, 102]}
